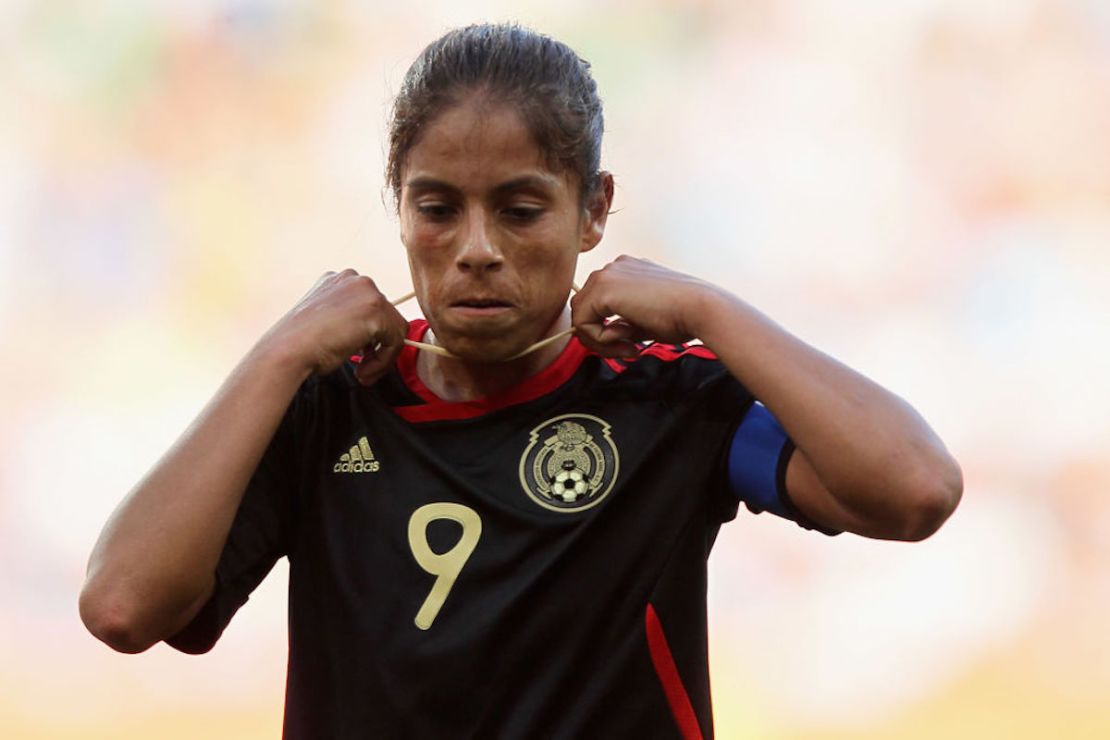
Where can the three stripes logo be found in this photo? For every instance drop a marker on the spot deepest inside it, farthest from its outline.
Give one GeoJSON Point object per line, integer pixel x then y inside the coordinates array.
{"type": "Point", "coordinates": [360, 459]}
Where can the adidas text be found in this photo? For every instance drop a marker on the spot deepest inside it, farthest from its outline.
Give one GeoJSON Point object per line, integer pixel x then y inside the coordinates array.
{"type": "Point", "coordinates": [357, 467]}
{"type": "Point", "coordinates": [359, 459]}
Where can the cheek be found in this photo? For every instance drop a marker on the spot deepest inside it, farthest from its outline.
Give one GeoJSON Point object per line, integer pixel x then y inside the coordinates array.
{"type": "Point", "coordinates": [426, 233]}
{"type": "Point", "coordinates": [417, 233]}
{"type": "Point", "coordinates": [550, 270]}
{"type": "Point", "coordinates": [427, 252]}
{"type": "Point", "coordinates": [427, 276]}
{"type": "Point", "coordinates": [423, 274]}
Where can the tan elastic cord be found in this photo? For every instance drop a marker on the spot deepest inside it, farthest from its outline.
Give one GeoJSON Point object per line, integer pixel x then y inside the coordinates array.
{"type": "Point", "coordinates": [447, 353]}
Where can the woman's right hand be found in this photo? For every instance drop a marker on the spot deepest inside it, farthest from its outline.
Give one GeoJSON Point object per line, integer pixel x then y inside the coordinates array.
{"type": "Point", "coordinates": [342, 315]}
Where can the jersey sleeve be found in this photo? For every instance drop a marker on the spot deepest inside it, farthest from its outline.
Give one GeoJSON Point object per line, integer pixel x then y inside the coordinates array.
{"type": "Point", "coordinates": [260, 534]}
{"type": "Point", "coordinates": [758, 456]}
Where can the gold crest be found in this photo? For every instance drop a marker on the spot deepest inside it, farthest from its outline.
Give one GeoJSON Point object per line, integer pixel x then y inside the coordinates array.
{"type": "Point", "coordinates": [570, 463]}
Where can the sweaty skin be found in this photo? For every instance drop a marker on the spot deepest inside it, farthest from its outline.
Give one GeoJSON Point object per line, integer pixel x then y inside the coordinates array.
{"type": "Point", "coordinates": [493, 238]}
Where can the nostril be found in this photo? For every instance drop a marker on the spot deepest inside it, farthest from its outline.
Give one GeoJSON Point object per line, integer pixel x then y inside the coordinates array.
{"type": "Point", "coordinates": [480, 259]}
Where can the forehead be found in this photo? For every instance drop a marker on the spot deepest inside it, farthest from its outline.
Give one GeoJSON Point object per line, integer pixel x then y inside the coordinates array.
{"type": "Point", "coordinates": [476, 146]}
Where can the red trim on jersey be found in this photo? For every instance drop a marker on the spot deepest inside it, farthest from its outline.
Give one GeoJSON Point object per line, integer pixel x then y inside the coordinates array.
{"type": "Point", "coordinates": [615, 365]}
{"type": "Point", "coordinates": [667, 671]}
{"type": "Point", "coordinates": [664, 352]}
{"type": "Point", "coordinates": [667, 352]}
{"type": "Point", "coordinates": [551, 377]}
{"type": "Point", "coordinates": [436, 409]}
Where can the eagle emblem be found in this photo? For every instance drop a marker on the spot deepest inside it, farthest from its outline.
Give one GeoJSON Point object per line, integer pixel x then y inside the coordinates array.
{"type": "Point", "coordinates": [570, 463]}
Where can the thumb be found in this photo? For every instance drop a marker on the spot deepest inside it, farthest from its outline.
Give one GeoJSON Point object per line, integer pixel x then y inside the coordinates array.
{"type": "Point", "coordinates": [615, 338]}
{"type": "Point", "coordinates": [377, 359]}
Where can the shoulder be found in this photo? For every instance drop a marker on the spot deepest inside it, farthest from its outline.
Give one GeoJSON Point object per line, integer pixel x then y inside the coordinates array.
{"type": "Point", "coordinates": [322, 399]}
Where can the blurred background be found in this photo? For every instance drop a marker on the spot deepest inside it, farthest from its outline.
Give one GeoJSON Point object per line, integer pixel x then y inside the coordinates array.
{"type": "Point", "coordinates": [920, 188]}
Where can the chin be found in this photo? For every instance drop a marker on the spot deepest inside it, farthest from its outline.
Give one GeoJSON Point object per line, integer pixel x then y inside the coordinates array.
{"type": "Point", "coordinates": [483, 349]}
{"type": "Point", "coordinates": [489, 340]}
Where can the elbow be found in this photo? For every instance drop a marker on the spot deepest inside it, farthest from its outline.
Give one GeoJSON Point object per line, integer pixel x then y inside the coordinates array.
{"type": "Point", "coordinates": [933, 501]}
{"type": "Point", "coordinates": [113, 622]}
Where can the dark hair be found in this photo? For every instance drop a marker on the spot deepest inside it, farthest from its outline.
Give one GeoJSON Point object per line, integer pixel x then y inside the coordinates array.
{"type": "Point", "coordinates": [543, 79]}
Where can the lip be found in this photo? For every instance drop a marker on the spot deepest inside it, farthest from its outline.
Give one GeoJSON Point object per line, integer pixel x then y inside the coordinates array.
{"type": "Point", "coordinates": [480, 311]}
{"type": "Point", "coordinates": [480, 302]}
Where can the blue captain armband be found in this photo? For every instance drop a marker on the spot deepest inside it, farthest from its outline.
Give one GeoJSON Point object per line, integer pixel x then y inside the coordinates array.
{"type": "Point", "coordinates": [757, 458]}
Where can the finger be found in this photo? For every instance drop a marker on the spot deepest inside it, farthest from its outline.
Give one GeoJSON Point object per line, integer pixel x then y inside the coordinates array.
{"type": "Point", "coordinates": [588, 310]}
{"type": "Point", "coordinates": [375, 363]}
{"type": "Point", "coordinates": [583, 300]}
{"type": "Point", "coordinates": [618, 338]}
{"type": "Point", "coordinates": [320, 281]}
{"type": "Point", "coordinates": [380, 356]}
{"type": "Point", "coordinates": [617, 349]}
{"type": "Point", "coordinates": [610, 339]}
{"type": "Point", "coordinates": [616, 330]}
{"type": "Point", "coordinates": [619, 329]}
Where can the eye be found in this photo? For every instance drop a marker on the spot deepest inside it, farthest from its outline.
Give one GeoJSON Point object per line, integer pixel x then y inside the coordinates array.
{"type": "Point", "coordinates": [435, 211]}
{"type": "Point", "coordinates": [522, 214]}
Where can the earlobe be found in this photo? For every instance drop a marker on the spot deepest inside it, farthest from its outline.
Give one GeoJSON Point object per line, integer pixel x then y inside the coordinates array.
{"type": "Point", "coordinates": [597, 212]}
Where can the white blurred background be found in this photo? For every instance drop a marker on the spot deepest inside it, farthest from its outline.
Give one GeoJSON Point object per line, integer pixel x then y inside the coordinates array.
{"type": "Point", "coordinates": [920, 188]}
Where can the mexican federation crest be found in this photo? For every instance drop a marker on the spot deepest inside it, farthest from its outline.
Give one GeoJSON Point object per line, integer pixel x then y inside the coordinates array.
{"type": "Point", "coordinates": [570, 463]}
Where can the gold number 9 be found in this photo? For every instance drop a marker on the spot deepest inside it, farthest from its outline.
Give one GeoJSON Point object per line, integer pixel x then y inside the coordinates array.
{"type": "Point", "coordinates": [444, 566]}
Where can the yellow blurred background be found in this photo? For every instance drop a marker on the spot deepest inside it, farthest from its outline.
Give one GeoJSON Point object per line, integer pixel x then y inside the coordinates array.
{"type": "Point", "coordinates": [920, 188]}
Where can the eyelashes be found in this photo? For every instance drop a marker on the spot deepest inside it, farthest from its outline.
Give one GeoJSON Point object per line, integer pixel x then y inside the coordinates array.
{"type": "Point", "coordinates": [435, 212]}
{"type": "Point", "coordinates": [443, 213]}
{"type": "Point", "coordinates": [523, 214]}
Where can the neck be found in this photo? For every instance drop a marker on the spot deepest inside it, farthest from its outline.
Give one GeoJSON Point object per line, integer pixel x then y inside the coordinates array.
{"type": "Point", "coordinates": [456, 380]}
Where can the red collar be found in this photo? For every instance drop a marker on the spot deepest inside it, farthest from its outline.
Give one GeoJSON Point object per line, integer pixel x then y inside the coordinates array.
{"type": "Point", "coordinates": [435, 408]}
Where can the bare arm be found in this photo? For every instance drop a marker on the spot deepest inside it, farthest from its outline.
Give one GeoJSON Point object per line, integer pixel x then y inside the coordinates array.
{"type": "Point", "coordinates": [866, 462]}
{"type": "Point", "coordinates": [153, 566]}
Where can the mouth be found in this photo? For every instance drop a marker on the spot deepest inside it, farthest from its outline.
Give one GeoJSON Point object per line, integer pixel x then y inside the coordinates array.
{"type": "Point", "coordinates": [481, 304]}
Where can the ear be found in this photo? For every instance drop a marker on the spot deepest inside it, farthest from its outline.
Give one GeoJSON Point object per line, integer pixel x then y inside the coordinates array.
{"type": "Point", "coordinates": [596, 212]}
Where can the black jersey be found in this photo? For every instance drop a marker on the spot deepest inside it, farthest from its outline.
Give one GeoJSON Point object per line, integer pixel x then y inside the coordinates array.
{"type": "Point", "coordinates": [527, 565]}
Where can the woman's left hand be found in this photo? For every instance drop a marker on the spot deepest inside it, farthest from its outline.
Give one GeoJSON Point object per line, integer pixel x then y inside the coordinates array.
{"type": "Point", "coordinates": [648, 301]}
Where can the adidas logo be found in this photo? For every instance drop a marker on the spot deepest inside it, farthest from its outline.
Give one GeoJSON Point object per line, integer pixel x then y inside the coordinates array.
{"type": "Point", "coordinates": [359, 460]}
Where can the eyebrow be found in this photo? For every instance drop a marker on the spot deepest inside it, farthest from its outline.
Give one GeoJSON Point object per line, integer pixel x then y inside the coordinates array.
{"type": "Point", "coordinates": [524, 182]}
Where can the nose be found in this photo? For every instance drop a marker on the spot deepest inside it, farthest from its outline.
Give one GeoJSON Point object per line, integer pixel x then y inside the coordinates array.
{"type": "Point", "coordinates": [478, 252]}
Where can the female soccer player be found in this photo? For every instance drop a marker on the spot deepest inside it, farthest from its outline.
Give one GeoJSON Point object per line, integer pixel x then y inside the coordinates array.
{"type": "Point", "coordinates": [497, 518]}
